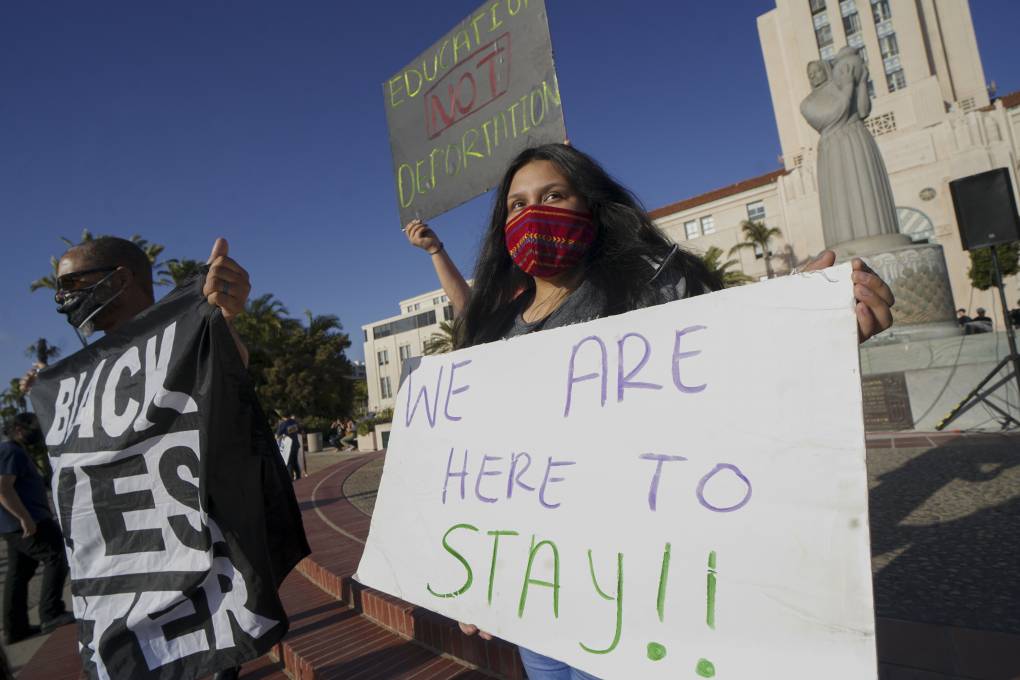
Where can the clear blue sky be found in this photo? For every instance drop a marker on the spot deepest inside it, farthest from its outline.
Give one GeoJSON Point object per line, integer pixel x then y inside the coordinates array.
{"type": "Point", "coordinates": [263, 122]}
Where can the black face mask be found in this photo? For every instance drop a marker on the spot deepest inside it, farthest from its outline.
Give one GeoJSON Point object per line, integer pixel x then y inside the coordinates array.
{"type": "Point", "coordinates": [81, 306]}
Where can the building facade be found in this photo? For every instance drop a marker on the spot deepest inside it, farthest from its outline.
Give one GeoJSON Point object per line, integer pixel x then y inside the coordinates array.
{"type": "Point", "coordinates": [932, 117]}
{"type": "Point", "coordinates": [392, 341]}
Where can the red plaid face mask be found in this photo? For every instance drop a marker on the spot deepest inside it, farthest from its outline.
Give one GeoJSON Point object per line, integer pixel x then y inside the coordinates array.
{"type": "Point", "coordinates": [544, 241]}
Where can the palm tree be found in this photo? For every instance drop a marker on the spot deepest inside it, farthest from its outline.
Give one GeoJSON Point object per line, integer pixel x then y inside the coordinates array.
{"type": "Point", "coordinates": [721, 270]}
{"type": "Point", "coordinates": [322, 324]}
{"type": "Point", "coordinates": [443, 341]}
{"type": "Point", "coordinates": [12, 400]}
{"type": "Point", "coordinates": [43, 351]}
{"type": "Point", "coordinates": [757, 236]}
{"type": "Point", "coordinates": [151, 250]}
{"type": "Point", "coordinates": [177, 271]}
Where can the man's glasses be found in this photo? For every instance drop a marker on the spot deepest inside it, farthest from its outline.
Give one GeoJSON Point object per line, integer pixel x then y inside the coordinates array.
{"type": "Point", "coordinates": [78, 280]}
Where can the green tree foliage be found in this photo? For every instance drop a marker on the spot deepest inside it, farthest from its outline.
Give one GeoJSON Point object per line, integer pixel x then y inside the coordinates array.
{"type": "Point", "coordinates": [177, 271]}
{"type": "Point", "coordinates": [982, 273]}
{"type": "Point", "coordinates": [721, 270]}
{"type": "Point", "coordinates": [298, 368]}
{"type": "Point", "coordinates": [442, 341]}
{"type": "Point", "coordinates": [12, 400]}
{"type": "Point", "coordinates": [757, 235]}
{"type": "Point", "coordinates": [42, 351]}
{"type": "Point", "coordinates": [49, 282]}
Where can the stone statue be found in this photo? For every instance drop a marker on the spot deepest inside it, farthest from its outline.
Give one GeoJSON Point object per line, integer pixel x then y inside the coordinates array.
{"type": "Point", "coordinates": [853, 185]}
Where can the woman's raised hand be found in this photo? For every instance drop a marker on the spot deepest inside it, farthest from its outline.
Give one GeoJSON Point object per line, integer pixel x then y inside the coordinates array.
{"type": "Point", "coordinates": [422, 236]}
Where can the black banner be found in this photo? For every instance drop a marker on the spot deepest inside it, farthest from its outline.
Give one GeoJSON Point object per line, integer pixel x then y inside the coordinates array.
{"type": "Point", "coordinates": [179, 517]}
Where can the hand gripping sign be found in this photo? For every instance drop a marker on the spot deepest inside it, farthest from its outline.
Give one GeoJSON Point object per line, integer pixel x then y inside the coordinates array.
{"type": "Point", "coordinates": [674, 492]}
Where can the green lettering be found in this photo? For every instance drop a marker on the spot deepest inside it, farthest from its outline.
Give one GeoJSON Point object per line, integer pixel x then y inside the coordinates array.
{"type": "Point", "coordinates": [537, 120]}
{"type": "Point", "coordinates": [468, 146]}
{"type": "Point", "coordinates": [528, 581]}
{"type": "Point", "coordinates": [460, 558]}
{"type": "Point", "coordinates": [551, 92]}
{"type": "Point", "coordinates": [400, 184]}
{"type": "Point", "coordinates": [393, 92]}
{"type": "Point", "coordinates": [513, 116]}
{"type": "Point", "coordinates": [619, 603]}
{"type": "Point", "coordinates": [496, 23]}
{"type": "Point", "coordinates": [456, 45]}
{"type": "Point", "coordinates": [495, 549]}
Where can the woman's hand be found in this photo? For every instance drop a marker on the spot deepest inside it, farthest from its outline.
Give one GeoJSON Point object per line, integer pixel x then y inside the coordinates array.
{"type": "Point", "coordinates": [873, 296]}
{"type": "Point", "coordinates": [469, 629]}
{"type": "Point", "coordinates": [421, 236]}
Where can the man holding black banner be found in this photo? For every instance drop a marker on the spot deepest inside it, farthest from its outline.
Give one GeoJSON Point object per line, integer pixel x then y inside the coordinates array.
{"type": "Point", "coordinates": [179, 517]}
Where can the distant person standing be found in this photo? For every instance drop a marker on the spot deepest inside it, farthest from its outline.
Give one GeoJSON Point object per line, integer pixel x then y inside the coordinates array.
{"type": "Point", "coordinates": [962, 319]}
{"type": "Point", "coordinates": [981, 323]}
{"type": "Point", "coordinates": [291, 429]}
{"type": "Point", "coordinates": [32, 536]}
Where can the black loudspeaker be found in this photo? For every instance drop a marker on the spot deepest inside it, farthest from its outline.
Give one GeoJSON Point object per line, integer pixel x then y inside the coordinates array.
{"type": "Point", "coordinates": [985, 209]}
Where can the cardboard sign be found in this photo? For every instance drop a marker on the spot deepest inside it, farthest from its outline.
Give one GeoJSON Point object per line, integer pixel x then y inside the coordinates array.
{"type": "Point", "coordinates": [461, 110]}
{"type": "Point", "coordinates": [674, 492]}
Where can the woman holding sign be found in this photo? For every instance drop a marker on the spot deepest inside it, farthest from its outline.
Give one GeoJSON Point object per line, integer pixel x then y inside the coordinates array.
{"type": "Point", "coordinates": [566, 243]}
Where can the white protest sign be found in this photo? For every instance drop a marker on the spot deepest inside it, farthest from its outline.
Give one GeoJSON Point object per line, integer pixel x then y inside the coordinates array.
{"type": "Point", "coordinates": [676, 492]}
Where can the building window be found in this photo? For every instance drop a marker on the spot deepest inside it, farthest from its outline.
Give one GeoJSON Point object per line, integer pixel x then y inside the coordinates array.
{"type": "Point", "coordinates": [881, 11]}
{"type": "Point", "coordinates": [365, 331]}
{"type": "Point", "coordinates": [383, 356]}
{"type": "Point", "coordinates": [852, 24]}
{"type": "Point", "coordinates": [406, 324]}
{"type": "Point", "coordinates": [707, 224]}
{"type": "Point", "coordinates": [385, 391]}
{"type": "Point", "coordinates": [889, 46]}
{"type": "Point", "coordinates": [448, 313]}
{"type": "Point", "coordinates": [897, 81]}
{"type": "Point", "coordinates": [817, 6]}
{"type": "Point", "coordinates": [691, 229]}
{"type": "Point", "coordinates": [756, 211]}
{"type": "Point", "coordinates": [405, 353]}
{"type": "Point", "coordinates": [758, 252]}
{"type": "Point", "coordinates": [823, 35]}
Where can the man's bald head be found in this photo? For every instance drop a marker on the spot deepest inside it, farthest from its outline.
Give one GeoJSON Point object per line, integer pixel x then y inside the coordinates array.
{"type": "Point", "coordinates": [111, 251]}
{"type": "Point", "coordinates": [124, 269]}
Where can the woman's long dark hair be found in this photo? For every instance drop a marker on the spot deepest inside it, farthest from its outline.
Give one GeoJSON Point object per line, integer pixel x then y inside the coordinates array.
{"type": "Point", "coordinates": [621, 261]}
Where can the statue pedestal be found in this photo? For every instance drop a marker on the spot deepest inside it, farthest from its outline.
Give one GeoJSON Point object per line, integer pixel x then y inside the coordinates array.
{"type": "Point", "coordinates": [918, 277]}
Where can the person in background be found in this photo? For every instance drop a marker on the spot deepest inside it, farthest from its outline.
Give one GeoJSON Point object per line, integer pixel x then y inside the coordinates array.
{"type": "Point", "coordinates": [566, 243]}
{"type": "Point", "coordinates": [981, 323]}
{"type": "Point", "coordinates": [31, 534]}
{"type": "Point", "coordinates": [961, 318]}
{"type": "Point", "coordinates": [350, 436]}
{"type": "Point", "coordinates": [290, 428]}
{"type": "Point", "coordinates": [1014, 316]}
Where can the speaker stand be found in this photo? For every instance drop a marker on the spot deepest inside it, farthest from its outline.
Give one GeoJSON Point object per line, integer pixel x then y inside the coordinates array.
{"type": "Point", "coordinates": [980, 394]}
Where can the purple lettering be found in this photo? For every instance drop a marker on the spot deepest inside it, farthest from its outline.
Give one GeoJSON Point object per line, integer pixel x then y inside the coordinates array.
{"type": "Point", "coordinates": [653, 488]}
{"type": "Point", "coordinates": [571, 378]}
{"type": "Point", "coordinates": [512, 480]}
{"type": "Point", "coordinates": [550, 480]}
{"type": "Point", "coordinates": [430, 413]}
{"type": "Point", "coordinates": [482, 473]}
{"type": "Point", "coordinates": [678, 355]}
{"type": "Point", "coordinates": [462, 474]}
{"type": "Point", "coordinates": [451, 391]}
{"type": "Point", "coordinates": [716, 470]}
{"type": "Point", "coordinates": [624, 381]}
